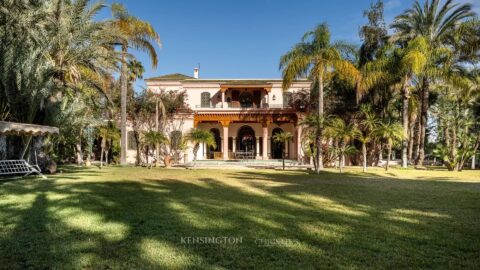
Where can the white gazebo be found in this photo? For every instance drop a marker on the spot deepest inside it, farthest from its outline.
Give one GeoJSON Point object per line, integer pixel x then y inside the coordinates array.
{"type": "Point", "coordinates": [20, 166]}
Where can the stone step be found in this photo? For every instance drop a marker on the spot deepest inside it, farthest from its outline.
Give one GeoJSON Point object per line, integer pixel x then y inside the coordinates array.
{"type": "Point", "coordinates": [239, 163]}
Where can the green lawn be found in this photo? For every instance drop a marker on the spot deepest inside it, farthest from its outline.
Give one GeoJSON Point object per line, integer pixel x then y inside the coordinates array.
{"type": "Point", "coordinates": [136, 218]}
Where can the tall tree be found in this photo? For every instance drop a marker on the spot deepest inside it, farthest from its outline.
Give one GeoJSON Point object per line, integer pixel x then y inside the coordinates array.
{"type": "Point", "coordinates": [367, 122]}
{"type": "Point", "coordinates": [391, 132]}
{"type": "Point", "coordinates": [435, 23]}
{"type": "Point", "coordinates": [283, 138]}
{"type": "Point", "coordinates": [318, 58]}
{"type": "Point", "coordinates": [199, 136]}
{"type": "Point", "coordinates": [344, 134]}
{"type": "Point", "coordinates": [373, 34]}
{"type": "Point", "coordinates": [139, 35]}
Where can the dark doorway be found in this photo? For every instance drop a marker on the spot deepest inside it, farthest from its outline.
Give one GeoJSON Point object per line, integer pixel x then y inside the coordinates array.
{"type": "Point", "coordinates": [246, 100]}
{"type": "Point", "coordinates": [246, 139]}
{"type": "Point", "coordinates": [276, 147]}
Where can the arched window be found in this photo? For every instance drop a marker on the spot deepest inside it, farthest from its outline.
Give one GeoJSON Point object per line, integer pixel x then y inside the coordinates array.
{"type": "Point", "coordinates": [246, 139]}
{"type": "Point", "coordinates": [205, 100]}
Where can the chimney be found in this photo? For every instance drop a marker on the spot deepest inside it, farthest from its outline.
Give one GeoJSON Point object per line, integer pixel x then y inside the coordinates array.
{"type": "Point", "coordinates": [195, 72]}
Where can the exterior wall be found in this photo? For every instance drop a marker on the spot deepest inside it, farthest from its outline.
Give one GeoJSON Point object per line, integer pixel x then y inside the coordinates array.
{"type": "Point", "coordinates": [195, 87]}
{"type": "Point", "coordinates": [183, 123]}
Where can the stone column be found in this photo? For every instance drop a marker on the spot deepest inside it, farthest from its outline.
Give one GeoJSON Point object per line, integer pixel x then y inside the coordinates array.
{"type": "Point", "coordinates": [204, 149]}
{"type": "Point", "coordinates": [234, 144]}
{"type": "Point", "coordinates": [225, 125]}
{"type": "Point", "coordinates": [265, 141]}
{"type": "Point", "coordinates": [257, 148]}
{"type": "Point", "coordinates": [223, 99]}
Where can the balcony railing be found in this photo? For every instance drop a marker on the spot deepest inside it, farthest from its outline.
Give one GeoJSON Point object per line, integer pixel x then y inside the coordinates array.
{"type": "Point", "coordinates": [240, 107]}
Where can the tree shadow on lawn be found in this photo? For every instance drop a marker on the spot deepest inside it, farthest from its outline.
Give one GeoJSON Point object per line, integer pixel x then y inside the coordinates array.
{"type": "Point", "coordinates": [309, 221]}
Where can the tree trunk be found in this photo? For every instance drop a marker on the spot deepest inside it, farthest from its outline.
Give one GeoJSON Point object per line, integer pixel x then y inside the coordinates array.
{"type": "Point", "coordinates": [147, 149]}
{"type": "Point", "coordinates": [423, 121]}
{"type": "Point", "coordinates": [389, 153]}
{"type": "Point", "coordinates": [454, 146]}
{"type": "Point", "coordinates": [473, 160]}
{"type": "Point", "coordinates": [411, 139]}
{"type": "Point", "coordinates": [416, 141]}
{"type": "Point", "coordinates": [103, 145]}
{"type": "Point", "coordinates": [137, 141]}
{"type": "Point", "coordinates": [123, 97]}
{"type": "Point", "coordinates": [380, 154]}
{"type": "Point", "coordinates": [371, 154]}
{"type": "Point", "coordinates": [319, 156]}
{"type": "Point", "coordinates": [106, 156]}
{"type": "Point", "coordinates": [78, 150]}
{"type": "Point", "coordinates": [101, 157]}
{"type": "Point", "coordinates": [405, 126]}
{"type": "Point", "coordinates": [364, 153]}
{"type": "Point", "coordinates": [340, 163]}
{"type": "Point", "coordinates": [195, 151]}
{"type": "Point", "coordinates": [157, 145]}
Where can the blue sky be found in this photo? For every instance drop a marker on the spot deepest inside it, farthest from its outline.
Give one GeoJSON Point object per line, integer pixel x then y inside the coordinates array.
{"type": "Point", "coordinates": [243, 39]}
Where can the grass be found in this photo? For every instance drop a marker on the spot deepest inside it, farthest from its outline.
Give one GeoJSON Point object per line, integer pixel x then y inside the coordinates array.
{"type": "Point", "coordinates": [136, 218]}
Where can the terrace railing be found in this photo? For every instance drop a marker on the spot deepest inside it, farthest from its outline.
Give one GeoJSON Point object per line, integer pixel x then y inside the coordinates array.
{"type": "Point", "coordinates": [234, 105]}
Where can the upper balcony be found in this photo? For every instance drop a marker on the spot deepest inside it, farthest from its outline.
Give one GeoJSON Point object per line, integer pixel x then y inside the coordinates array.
{"type": "Point", "coordinates": [234, 106]}
{"type": "Point", "coordinates": [241, 98]}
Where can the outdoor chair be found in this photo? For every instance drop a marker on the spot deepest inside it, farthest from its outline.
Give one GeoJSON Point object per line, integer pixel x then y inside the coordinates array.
{"type": "Point", "coordinates": [19, 167]}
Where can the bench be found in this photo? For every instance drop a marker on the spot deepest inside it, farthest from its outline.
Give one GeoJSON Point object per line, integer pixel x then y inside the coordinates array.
{"type": "Point", "coordinates": [20, 166]}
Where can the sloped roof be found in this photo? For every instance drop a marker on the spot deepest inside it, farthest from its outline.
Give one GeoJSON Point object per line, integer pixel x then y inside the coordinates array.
{"type": "Point", "coordinates": [234, 81]}
{"type": "Point", "coordinates": [185, 78]}
{"type": "Point", "coordinates": [170, 77]}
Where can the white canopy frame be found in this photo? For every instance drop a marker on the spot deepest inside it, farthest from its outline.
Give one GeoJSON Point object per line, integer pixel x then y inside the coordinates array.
{"type": "Point", "coordinates": [30, 130]}
{"type": "Point", "coordinates": [21, 166]}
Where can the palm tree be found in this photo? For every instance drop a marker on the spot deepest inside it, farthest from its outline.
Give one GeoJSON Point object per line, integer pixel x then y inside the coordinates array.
{"type": "Point", "coordinates": [364, 139]}
{"type": "Point", "coordinates": [139, 35]}
{"type": "Point", "coordinates": [435, 23]}
{"type": "Point", "coordinates": [283, 138]}
{"type": "Point", "coordinates": [391, 132]}
{"type": "Point", "coordinates": [317, 57]}
{"type": "Point", "coordinates": [312, 127]}
{"type": "Point", "coordinates": [344, 134]}
{"type": "Point", "coordinates": [412, 61]}
{"type": "Point", "coordinates": [199, 136]}
{"type": "Point", "coordinates": [155, 138]}
{"type": "Point", "coordinates": [108, 134]}
{"type": "Point", "coordinates": [367, 122]}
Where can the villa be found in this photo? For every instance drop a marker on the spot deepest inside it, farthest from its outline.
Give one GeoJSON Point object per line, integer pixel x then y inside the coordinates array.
{"type": "Point", "coordinates": [242, 114]}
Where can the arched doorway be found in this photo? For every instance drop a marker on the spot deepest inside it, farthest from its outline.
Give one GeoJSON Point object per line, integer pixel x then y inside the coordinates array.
{"type": "Point", "coordinates": [276, 147]}
{"type": "Point", "coordinates": [246, 139]}
{"type": "Point", "coordinates": [246, 100]}
{"type": "Point", "coordinates": [218, 141]}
